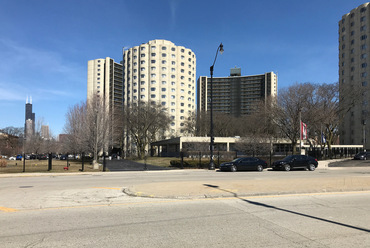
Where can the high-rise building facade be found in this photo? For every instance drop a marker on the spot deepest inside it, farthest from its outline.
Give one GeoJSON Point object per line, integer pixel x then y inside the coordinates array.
{"type": "Point", "coordinates": [354, 76]}
{"type": "Point", "coordinates": [29, 123]}
{"type": "Point", "coordinates": [236, 95]}
{"type": "Point", "coordinates": [45, 132]}
{"type": "Point", "coordinates": [161, 72]}
{"type": "Point", "coordinates": [105, 82]}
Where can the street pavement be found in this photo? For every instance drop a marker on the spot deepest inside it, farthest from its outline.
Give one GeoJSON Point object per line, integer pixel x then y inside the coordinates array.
{"type": "Point", "coordinates": [245, 184]}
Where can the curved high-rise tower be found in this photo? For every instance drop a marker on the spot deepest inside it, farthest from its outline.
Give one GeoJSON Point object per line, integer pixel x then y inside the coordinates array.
{"type": "Point", "coordinates": [161, 72]}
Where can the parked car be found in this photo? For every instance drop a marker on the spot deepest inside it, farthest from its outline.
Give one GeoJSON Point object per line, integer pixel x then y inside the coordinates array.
{"type": "Point", "coordinates": [19, 157]}
{"type": "Point", "coordinates": [362, 156]}
{"type": "Point", "coordinates": [12, 158]}
{"type": "Point", "coordinates": [294, 162]}
{"type": "Point", "coordinates": [42, 157]}
{"type": "Point", "coordinates": [243, 164]}
{"type": "Point", "coordinates": [63, 157]}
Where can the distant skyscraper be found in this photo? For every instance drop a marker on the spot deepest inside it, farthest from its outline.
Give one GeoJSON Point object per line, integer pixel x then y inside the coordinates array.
{"type": "Point", "coordinates": [354, 76]}
{"type": "Point", "coordinates": [29, 123]}
{"type": "Point", "coordinates": [45, 132]}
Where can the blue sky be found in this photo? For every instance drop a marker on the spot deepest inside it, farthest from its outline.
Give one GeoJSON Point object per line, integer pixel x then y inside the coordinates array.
{"type": "Point", "coordinates": [45, 44]}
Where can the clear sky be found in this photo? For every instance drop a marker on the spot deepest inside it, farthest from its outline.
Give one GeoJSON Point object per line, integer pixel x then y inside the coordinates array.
{"type": "Point", "coordinates": [45, 44]}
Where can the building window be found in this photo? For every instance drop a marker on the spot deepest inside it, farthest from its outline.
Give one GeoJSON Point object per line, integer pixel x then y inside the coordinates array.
{"type": "Point", "coordinates": [364, 74]}
{"type": "Point", "coordinates": [153, 82]}
{"type": "Point", "coordinates": [152, 61]}
{"type": "Point", "coordinates": [363, 18]}
{"type": "Point", "coordinates": [142, 48]}
{"type": "Point", "coordinates": [364, 65]}
{"type": "Point", "coordinates": [163, 89]}
{"type": "Point", "coordinates": [152, 96]}
{"type": "Point", "coordinates": [363, 47]}
{"type": "Point", "coordinates": [153, 47]}
{"type": "Point", "coordinates": [363, 28]}
{"type": "Point", "coordinates": [152, 89]}
{"type": "Point", "coordinates": [153, 54]}
{"type": "Point", "coordinates": [364, 56]}
{"type": "Point", "coordinates": [164, 55]}
{"type": "Point", "coordinates": [163, 96]}
{"type": "Point", "coordinates": [364, 83]}
{"type": "Point", "coordinates": [152, 68]}
{"type": "Point", "coordinates": [364, 37]}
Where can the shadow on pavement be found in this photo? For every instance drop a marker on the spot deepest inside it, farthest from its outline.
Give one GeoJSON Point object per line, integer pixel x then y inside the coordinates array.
{"type": "Point", "coordinates": [288, 211]}
{"type": "Point", "coordinates": [350, 163]}
{"type": "Point", "coordinates": [128, 165]}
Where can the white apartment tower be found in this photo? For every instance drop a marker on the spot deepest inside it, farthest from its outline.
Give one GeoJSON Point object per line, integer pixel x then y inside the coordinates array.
{"type": "Point", "coordinates": [161, 72]}
{"type": "Point", "coordinates": [354, 76]}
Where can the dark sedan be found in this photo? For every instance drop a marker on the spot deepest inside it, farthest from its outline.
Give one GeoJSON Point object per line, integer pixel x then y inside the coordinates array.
{"type": "Point", "coordinates": [244, 164]}
{"type": "Point", "coordinates": [362, 156]}
{"type": "Point", "coordinates": [295, 162]}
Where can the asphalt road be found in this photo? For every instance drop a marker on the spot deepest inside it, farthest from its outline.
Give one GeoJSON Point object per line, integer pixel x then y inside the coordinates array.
{"type": "Point", "coordinates": [91, 209]}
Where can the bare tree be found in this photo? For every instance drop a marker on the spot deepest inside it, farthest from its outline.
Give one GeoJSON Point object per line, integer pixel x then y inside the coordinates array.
{"type": "Point", "coordinates": [145, 124]}
{"type": "Point", "coordinates": [292, 101]}
{"type": "Point", "coordinates": [88, 127]}
{"type": "Point", "coordinates": [11, 140]}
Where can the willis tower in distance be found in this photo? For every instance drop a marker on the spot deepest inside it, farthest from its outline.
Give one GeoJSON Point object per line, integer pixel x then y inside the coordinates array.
{"type": "Point", "coordinates": [29, 125]}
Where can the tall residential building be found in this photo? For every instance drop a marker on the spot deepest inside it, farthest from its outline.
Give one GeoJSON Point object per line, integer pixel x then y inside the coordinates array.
{"type": "Point", "coordinates": [354, 76]}
{"type": "Point", "coordinates": [236, 94]}
{"type": "Point", "coordinates": [161, 72]}
{"type": "Point", "coordinates": [105, 81]}
{"type": "Point", "coordinates": [29, 123]}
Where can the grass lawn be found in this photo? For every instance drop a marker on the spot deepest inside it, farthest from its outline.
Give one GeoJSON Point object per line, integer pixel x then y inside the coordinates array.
{"type": "Point", "coordinates": [16, 166]}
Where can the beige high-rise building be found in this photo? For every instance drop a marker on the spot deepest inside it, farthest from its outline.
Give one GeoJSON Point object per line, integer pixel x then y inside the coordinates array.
{"type": "Point", "coordinates": [105, 81]}
{"type": "Point", "coordinates": [161, 72]}
{"type": "Point", "coordinates": [354, 76]}
{"type": "Point", "coordinates": [236, 94]}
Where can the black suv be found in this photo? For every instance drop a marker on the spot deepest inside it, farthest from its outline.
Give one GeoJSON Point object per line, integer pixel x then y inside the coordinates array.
{"type": "Point", "coordinates": [296, 161]}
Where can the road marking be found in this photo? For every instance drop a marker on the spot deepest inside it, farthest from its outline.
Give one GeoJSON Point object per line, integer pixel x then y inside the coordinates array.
{"type": "Point", "coordinates": [8, 210]}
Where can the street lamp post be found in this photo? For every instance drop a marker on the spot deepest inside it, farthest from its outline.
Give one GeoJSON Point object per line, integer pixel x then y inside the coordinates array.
{"type": "Point", "coordinates": [211, 163]}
